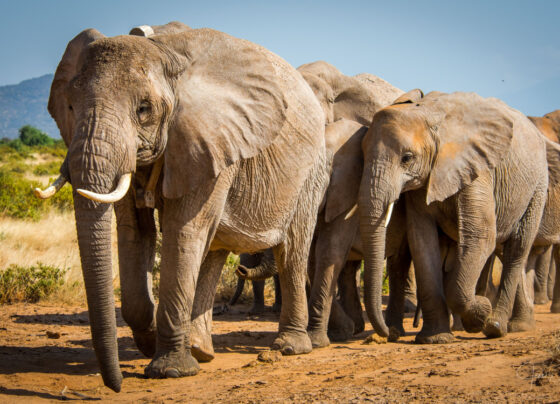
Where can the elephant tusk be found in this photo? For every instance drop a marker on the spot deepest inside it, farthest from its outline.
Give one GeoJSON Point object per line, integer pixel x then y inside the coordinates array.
{"type": "Point", "coordinates": [351, 212]}
{"type": "Point", "coordinates": [51, 190]}
{"type": "Point", "coordinates": [389, 213]}
{"type": "Point", "coordinates": [142, 30]}
{"type": "Point", "coordinates": [119, 192]}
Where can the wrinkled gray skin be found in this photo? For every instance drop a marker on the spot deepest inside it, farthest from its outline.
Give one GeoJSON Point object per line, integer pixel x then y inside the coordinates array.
{"type": "Point", "coordinates": [233, 122]}
{"type": "Point", "coordinates": [471, 170]}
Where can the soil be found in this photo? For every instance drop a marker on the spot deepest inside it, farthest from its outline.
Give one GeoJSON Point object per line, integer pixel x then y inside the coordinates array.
{"type": "Point", "coordinates": [46, 355]}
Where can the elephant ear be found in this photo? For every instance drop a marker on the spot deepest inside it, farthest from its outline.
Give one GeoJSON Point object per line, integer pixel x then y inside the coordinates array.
{"type": "Point", "coordinates": [473, 135]}
{"type": "Point", "coordinates": [553, 159]}
{"type": "Point", "coordinates": [409, 98]}
{"type": "Point", "coordinates": [344, 139]}
{"type": "Point", "coordinates": [69, 66]}
{"type": "Point", "coordinates": [230, 104]}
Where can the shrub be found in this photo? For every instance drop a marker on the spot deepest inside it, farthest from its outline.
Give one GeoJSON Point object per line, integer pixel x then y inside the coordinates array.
{"type": "Point", "coordinates": [31, 136]}
{"type": "Point", "coordinates": [29, 284]}
{"type": "Point", "coordinates": [51, 168]}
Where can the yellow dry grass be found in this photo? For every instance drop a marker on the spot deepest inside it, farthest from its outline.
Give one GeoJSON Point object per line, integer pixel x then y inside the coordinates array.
{"type": "Point", "coordinates": [51, 241]}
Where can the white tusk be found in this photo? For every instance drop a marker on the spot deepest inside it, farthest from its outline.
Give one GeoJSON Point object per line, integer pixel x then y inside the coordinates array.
{"type": "Point", "coordinates": [142, 30]}
{"type": "Point", "coordinates": [51, 190]}
{"type": "Point", "coordinates": [119, 192]}
{"type": "Point", "coordinates": [351, 212]}
{"type": "Point", "coordinates": [389, 213]}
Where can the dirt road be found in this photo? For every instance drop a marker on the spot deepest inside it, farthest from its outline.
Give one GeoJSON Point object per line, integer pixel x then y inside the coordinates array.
{"type": "Point", "coordinates": [46, 354]}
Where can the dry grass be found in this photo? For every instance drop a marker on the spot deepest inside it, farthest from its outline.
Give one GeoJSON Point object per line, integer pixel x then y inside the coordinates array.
{"type": "Point", "coordinates": [51, 241]}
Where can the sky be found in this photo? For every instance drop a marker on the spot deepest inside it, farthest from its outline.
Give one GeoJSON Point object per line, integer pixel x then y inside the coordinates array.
{"type": "Point", "coordinates": [504, 49]}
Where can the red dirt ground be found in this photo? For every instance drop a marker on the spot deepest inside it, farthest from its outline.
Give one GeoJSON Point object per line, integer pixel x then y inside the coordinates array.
{"type": "Point", "coordinates": [37, 367]}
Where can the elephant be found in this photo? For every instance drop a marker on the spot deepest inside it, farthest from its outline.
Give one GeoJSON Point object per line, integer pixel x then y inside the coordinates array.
{"type": "Point", "coordinates": [230, 137]}
{"type": "Point", "coordinates": [473, 175]}
{"type": "Point", "coordinates": [549, 125]}
{"type": "Point", "coordinates": [349, 104]}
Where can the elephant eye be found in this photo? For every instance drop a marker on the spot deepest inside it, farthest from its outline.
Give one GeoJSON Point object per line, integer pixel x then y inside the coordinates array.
{"type": "Point", "coordinates": [407, 158]}
{"type": "Point", "coordinates": [144, 111]}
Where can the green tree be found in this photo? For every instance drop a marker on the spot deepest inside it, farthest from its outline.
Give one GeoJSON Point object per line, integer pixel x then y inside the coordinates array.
{"type": "Point", "coordinates": [31, 136]}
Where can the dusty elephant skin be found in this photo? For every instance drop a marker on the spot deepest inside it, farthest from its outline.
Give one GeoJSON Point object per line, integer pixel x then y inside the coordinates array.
{"type": "Point", "coordinates": [232, 123]}
{"type": "Point", "coordinates": [470, 169]}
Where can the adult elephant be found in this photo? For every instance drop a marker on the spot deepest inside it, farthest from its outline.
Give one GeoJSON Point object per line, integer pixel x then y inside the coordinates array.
{"type": "Point", "coordinates": [239, 138]}
{"type": "Point", "coordinates": [471, 169]}
{"type": "Point", "coordinates": [349, 103]}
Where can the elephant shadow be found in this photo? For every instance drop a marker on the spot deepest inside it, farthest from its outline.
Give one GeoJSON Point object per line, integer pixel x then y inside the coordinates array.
{"type": "Point", "coordinates": [40, 394]}
{"type": "Point", "coordinates": [74, 319]}
{"type": "Point", "coordinates": [243, 342]}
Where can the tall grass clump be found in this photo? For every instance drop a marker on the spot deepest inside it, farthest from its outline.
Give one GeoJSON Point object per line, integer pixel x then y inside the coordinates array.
{"type": "Point", "coordinates": [29, 284]}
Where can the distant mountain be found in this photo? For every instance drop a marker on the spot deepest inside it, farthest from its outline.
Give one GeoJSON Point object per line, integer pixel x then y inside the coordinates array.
{"type": "Point", "coordinates": [26, 104]}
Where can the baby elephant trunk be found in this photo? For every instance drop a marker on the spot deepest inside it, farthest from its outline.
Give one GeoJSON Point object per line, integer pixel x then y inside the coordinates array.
{"type": "Point", "coordinates": [265, 268]}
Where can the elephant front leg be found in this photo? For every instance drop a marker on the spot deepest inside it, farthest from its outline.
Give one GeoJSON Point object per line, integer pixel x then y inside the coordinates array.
{"type": "Point", "coordinates": [333, 242]}
{"type": "Point", "coordinates": [201, 330]}
{"type": "Point", "coordinates": [423, 241]}
{"type": "Point", "coordinates": [348, 284]}
{"type": "Point", "coordinates": [523, 316]}
{"type": "Point", "coordinates": [555, 307]}
{"type": "Point", "coordinates": [398, 268]}
{"type": "Point", "coordinates": [136, 240]}
{"type": "Point", "coordinates": [186, 239]}
{"type": "Point", "coordinates": [542, 267]}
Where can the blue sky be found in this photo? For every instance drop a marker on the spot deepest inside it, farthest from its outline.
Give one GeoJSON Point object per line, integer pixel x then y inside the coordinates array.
{"type": "Point", "coordinates": [506, 49]}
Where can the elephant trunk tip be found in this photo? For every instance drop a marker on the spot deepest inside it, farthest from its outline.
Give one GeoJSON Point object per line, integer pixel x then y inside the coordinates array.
{"type": "Point", "coordinates": [242, 272]}
{"type": "Point", "coordinates": [114, 382]}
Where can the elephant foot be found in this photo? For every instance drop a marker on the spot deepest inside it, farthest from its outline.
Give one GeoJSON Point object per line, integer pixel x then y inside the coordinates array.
{"type": "Point", "coordinates": [555, 308]}
{"type": "Point", "coordinates": [541, 297]}
{"type": "Point", "coordinates": [457, 324]}
{"type": "Point", "coordinates": [495, 327]}
{"type": "Point", "coordinates": [341, 328]}
{"type": "Point", "coordinates": [202, 348]}
{"type": "Point", "coordinates": [319, 338]}
{"type": "Point", "coordinates": [172, 364]}
{"type": "Point", "coordinates": [257, 308]}
{"type": "Point", "coordinates": [519, 325]}
{"type": "Point", "coordinates": [430, 338]}
{"type": "Point", "coordinates": [474, 317]}
{"type": "Point", "coordinates": [395, 326]}
{"type": "Point", "coordinates": [395, 334]}
{"type": "Point", "coordinates": [359, 325]}
{"type": "Point", "coordinates": [146, 341]}
{"type": "Point", "coordinates": [293, 343]}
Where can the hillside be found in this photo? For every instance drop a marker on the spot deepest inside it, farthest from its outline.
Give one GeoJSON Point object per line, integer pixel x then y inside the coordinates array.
{"type": "Point", "coordinates": [26, 104]}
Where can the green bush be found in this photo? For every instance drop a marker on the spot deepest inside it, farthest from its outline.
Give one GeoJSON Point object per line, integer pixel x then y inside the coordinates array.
{"type": "Point", "coordinates": [31, 136]}
{"type": "Point", "coordinates": [29, 284]}
{"type": "Point", "coordinates": [51, 168]}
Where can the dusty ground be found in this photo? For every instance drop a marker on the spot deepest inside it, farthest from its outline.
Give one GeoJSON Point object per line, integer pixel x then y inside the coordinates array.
{"type": "Point", "coordinates": [36, 367]}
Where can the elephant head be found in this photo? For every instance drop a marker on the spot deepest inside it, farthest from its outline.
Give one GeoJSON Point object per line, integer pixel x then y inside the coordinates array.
{"type": "Point", "coordinates": [549, 125]}
{"type": "Point", "coordinates": [126, 102]}
{"type": "Point", "coordinates": [354, 98]}
{"type": "Point", "coordinates": [440, 143]}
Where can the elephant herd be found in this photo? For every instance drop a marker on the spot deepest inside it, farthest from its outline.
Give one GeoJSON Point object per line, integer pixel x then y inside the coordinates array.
{"type": "Point", "coordinates": [312, 170]}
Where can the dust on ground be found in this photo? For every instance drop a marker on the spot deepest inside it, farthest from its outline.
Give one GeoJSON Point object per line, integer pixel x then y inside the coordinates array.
{"type": "Point", "coordinates": [46, 355]}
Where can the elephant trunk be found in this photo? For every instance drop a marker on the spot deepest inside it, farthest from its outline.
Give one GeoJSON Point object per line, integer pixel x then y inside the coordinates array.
{"type": "Point", "coordinates": [91, 157]}
{"type": "Point", "coordinates": [374, 209]}
{"type": "Point", "coordinates": [264, 270]}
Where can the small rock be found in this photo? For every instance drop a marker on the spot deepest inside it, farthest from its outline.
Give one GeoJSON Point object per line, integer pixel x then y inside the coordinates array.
{"type": "Point", "coordinates": [375, 339]}
{"type": "Point", "coordinates": [269, 356]}
{"type": "Point", "coordinates": [53, 335]}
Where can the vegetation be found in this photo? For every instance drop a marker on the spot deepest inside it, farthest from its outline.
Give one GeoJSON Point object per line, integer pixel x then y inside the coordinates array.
{"type": "Point", "coordinates": [31, 136]}
{"type": "Point", "coordinates": [29, 284]}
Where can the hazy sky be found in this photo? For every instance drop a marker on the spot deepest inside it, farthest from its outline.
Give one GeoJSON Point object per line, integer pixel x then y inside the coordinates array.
{"type": "Point", "coordinates": [506, 49]}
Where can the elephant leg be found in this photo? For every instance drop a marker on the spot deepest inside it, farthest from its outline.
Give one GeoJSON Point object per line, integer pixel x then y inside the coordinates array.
{"type": "Point", "coordinates": [551, 275]}
{"type": "Point", "coordinates": [555, 307]}
{"type": "Point", "coordinates": [485, 278]}
{"type": "Point", "coordinates": [410, 290]}
{"type": "Point", "coordinates": [258, 297]}
{"type": "Point", "coordinates": [333, 243]}
{"type": "Point", "coordinates": [340, 325]}
{"type": "Point", "coordinates": [201, 327]}
{"type": "Point", "coordinates": [186, 240]}
{"type": "Point", "coordinates": [137, 240]}
{"type": "Point", "coordinates": [350, 294]}
{"type": "Point", "coordinates": [398, 268]}
{"type": "Point", "coordinates": [523, 316]}
{"type": "Point", "coordinates": [542, 267]}
{"type": "Point", "coordinates": [424, 246]}
{"type": "Point", "coordinates": [515, 254]}
{"type": "Point", "coordinates": [277, 295]}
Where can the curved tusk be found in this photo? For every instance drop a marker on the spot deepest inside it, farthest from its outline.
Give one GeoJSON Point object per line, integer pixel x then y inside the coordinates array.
{"type": "Point", "coordinates": [142, 30]}
{"type": "Point", "coordinates": [51, 190]}
{"type": "Point", "coordinates": [119, 192]}
{"type": "Point", "coordinates": [351, 212]}
{"type": "Point", "coordinates": [389, 213]}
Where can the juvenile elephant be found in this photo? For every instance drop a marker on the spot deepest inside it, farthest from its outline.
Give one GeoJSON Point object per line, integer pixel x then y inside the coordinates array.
{"type": "Point", "coordinates": [233, 138]}
{"type": "Point", "coordinates": [470, 169]}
